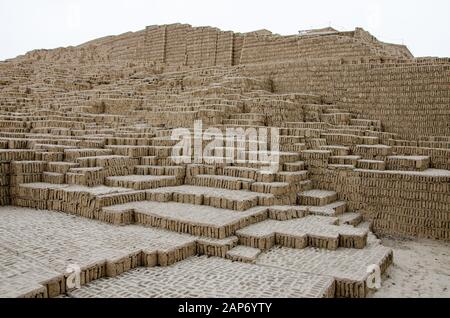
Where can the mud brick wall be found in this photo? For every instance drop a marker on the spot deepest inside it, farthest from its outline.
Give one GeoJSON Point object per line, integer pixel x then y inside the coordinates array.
{"type": "Point", "coordinates": [8, 175]}
{"type": "Point", "coordinates": [407, 204]}
{"type": "Point", "coordinates": [193, 46]}
{"type": "Point", "coordinates": [202, 47]}
{"type": "Point", "coordinates": [273, 48]}
{"type": "Point", "coordinates": [154, 44]}
{"type": "Point", "coordinates": [259, 49]}
{"type": "Point", "coordinates": [176, 44]}
{"type": "Point", "coordinates": [25, 172]}
{"type": "Point", "coordinates": [263, 49]}
{"type": "Point", "coordinates": [225, 43]}
{"type": "Point", "coordinates": [410, 98]}
{"type": "Point", "coordinates": [238, 42]}
{"type": "Point", "coordinates": [181, 44]}
{"type": "Point", "coordinates": [4, 183]}
{"type": "Point", "coordinates": [209, 47]}
{"type": "Point", "coordinates": [440, 158]}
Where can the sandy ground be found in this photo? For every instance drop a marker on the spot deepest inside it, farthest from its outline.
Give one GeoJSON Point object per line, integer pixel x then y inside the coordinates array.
{"type": "Point", "coordinates": [421, 270]}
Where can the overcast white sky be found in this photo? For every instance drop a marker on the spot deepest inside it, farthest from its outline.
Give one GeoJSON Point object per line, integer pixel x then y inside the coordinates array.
{"type": "Point", "coordinates": [31, 24]}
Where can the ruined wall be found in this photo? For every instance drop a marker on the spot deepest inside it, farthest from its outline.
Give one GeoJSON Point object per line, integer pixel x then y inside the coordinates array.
{"type": "Point", "coordinates": [263, 49]}
{"type": "Point", "coordinates": [398, 50]}
{"type": "Point", "coordinates": [410, 97]}
{"type": "Point", "coordinates": [275, 48]}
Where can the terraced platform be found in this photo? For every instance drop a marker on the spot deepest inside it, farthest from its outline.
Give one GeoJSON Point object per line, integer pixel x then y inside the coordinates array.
{"type": "Point", "coordinates": [190, 218]}
{"type": "Point", "coordinates": [38, 247]}
{"type": "Point", "coordinates": [315, 231]}
{"type": "Point", "coordinates": [184, 162]}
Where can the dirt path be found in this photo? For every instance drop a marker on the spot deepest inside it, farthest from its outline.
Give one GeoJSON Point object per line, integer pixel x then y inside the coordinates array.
{"type": "Point", "coordinates": [421, 269]}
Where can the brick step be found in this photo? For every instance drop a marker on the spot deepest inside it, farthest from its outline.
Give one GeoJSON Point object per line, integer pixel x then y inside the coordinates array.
{"type": "Point", "coordinates": [260, 165]}
{"type": "Point", "coordinates": [346, 265]}
{"type": "Point", "coordinates": [85, 176]}
{"type": "Point", "coordinates": [127, 141]}
{"type": "Point", "coordinates": [333, 209]}
{"type": "Point", "coordinates": [177, 171]}
{"type": "Point", "coordinates": [351, 218]}
{"type": "Point", "coordinates": [336, 150]}
{"type": "Point", "coordinates": [336, 110]}
{"type": "Point", "coordinates": [341, 139]}
{"type": "Point", "coordinates": [141, 151]}
{"type": "Point", "coordinates": [301, 187]}
{"type": "Point", "coordinates": [106, 161]}
{"type": "Point", "coordinates": [344, 160]}
{"type": "Point", "coordinates": [317, 197]}
{"type": "Point", "coordinates": [369, 140]}
{"type": "Point", "coordinates": [289, 212]}
{"type": "Point", "coordinates": [372, 152]}
{"type": "Point", "coordinates": [301, 132]}
{"type": "Point", "coordinates": [292, 177]}
{"type": "Point", "coordinates": [52, 148]}
{"type": "Point", "coordinates": [316, 158]}
{"type": "Point", "coordinates": [71, 155]}
{"type": "Point", "coordinates": [283, 157]}
{"type": "Point", "coordinates": [366, 123]}
{"type": "Point", "coordinates": [61, 167]}
{"type": "Point", "coordinates": [408, 163]}
{"type": "Point", "coordinates": [110, 199]}
{"type": "Point", "coordinates": [350, 130]}
{"type": "Point", "coordinates": [341, 167]}
{"type": "Point", "coordinates": [349, 139]}
{"type": "Point", "coordinates": [275, 188]}
{"type": "Point", "coordinates": [53, 177]}
{"type": "Point", "coordinates": [223, 182]}
{"type": "Point", "coordinates": [237, 200]}
{"type": "Point", "coordinates": [291, 140]}
{"type": "Point", "coordinates": [294, 147]}
{"type": "Point", "coordinates": [336, 117]}
{"type": "Point", "coordinates": [244, 254]}
{"type": "Point", "coordinates": [318, 108]}
{"type": "Point", "coordinates": [223, 127]}
{"type": "Point", "coordinates": [148, 161]}
{"type": "Point", "coordinates": [315, 143]}
{"type": "Point", "coordinates": [310, 231]}
{"type": "Point", "coordinates": [307, 125]}
{"type": "Point", "coordinates": [74, 199]}
{"type": "Point", "coordinates": [371, 165]}
{"type": "Point", "coordinates": [142, 182]}
{"type": "Point", "coordinates": [243, 122]}
{"type": "Point", "coordinates": [164, 142]}
{"type": "Point", "coordinates": [249, 116]}
{"type": "Point", "coordinates": [239, 172]}
{"type": "Point", "coordinates": [192, 219]}
{"type": "Point", "coordinates": [294, 166]}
